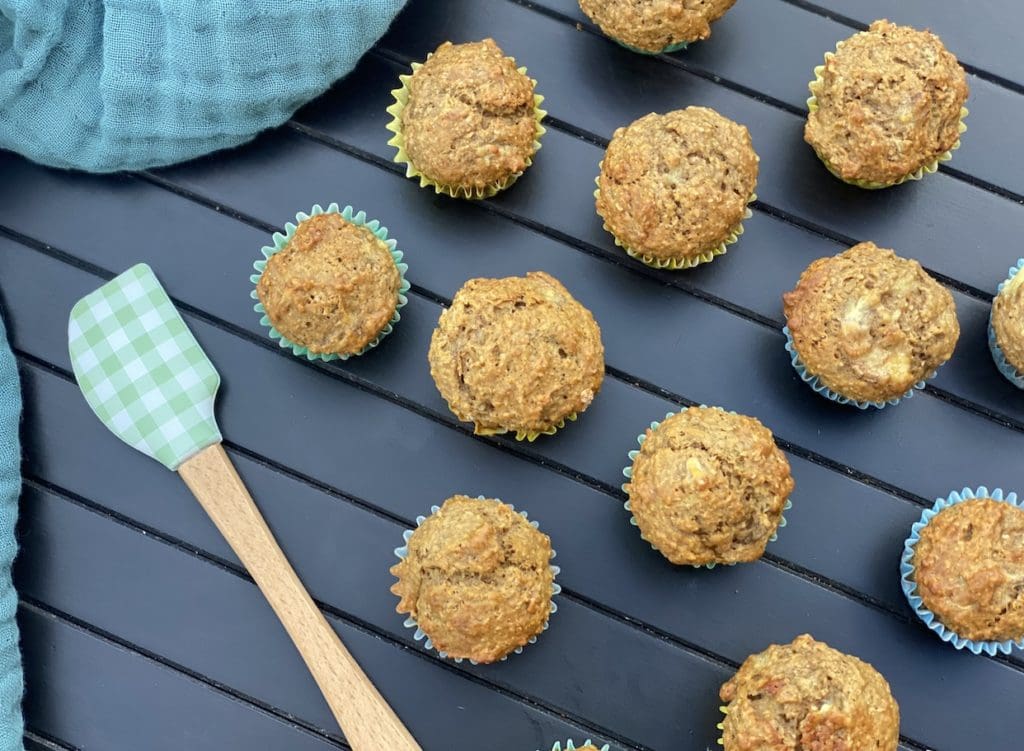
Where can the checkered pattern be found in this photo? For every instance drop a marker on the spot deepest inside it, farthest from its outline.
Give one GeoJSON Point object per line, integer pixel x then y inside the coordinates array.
{"type": "Point", "coordinates": [141, 370]}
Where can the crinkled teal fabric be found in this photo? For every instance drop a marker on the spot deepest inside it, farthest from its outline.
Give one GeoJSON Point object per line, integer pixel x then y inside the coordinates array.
{"type": "Point", "coordinates": [106, 85]}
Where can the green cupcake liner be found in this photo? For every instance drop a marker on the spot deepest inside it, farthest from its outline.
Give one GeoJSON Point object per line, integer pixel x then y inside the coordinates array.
{"type": "Point", "coordinates": [724, 709]}
{"type": "Point", "coordinates": [927, 169]}
{"type": "Point", "coordinates": [676, 264]}
{"type": "Point", "coordinates": [525, 435]}
{"type": "Point", "coordinates": [677, 47]}
{"type": "Point", "coordinates": [281, 241]}
{"type": "Point", "coordinates": [570, 745]}
{"type": "Point", "coordinates": [628, 474]}
{"type": "Point", "coordinates": [401, 96]}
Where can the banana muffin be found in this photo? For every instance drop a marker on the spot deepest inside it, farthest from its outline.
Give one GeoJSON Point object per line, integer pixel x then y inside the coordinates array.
{"type": "Point", "coordinates": [517, 354]}
{"type": "Point", "coordinates": [887, 104]}
{"type": "Point", "coordinates": [869, 325]}
{"type": "Point", "coordinates": [333, 288]}
{"type": "Point", "coordinates": [806, 695]}
{"type": "Point", "coordinates": [655, 26]}
{"type": "Point", "coordinates": [674, 188]}
{"type": "Point", "coordinates": [477, 579]}
{"type": "Point", "coordinates": [467, 121]}
{"type": "Point", "coordinates": [709, 486]}
{"type": "Point", "coordinates": [1008, 322]}
{"type": "Point", "coordinates": [969, 569]}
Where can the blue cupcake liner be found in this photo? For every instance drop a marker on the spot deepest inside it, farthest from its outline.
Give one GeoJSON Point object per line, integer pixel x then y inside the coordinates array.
{"type": "Point", "coordinates": [281, 240]}
{"type": "Point", "coordinates": [628, 474]}
{"type": "Point", "coordinates": [1011, 374]}
{"type": "Point", "coordinates": [910, 585]}
{"type": "Point", "coordinates": [570, 745]}
{"type": "Point", "coordinates": [420, 635]}
{"type": "Point", "coordinates": [819, 387]}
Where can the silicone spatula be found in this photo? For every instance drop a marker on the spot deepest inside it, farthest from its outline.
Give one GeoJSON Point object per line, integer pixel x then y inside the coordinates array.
{"type": "Point", "coordinates": [147, 379]}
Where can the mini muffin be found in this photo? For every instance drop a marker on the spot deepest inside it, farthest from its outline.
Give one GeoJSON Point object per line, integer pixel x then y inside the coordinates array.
{"type": "Point", "coordinates": [709, 486]}
{"type": "Point", "coordinates": [332, 287]}
{"type": "Point", "coordinates": [867, 326]}
{"type": "Point", "coordinates": [969, 569]}
{"type": "Point", "coordinates": [806, 695]}
{"type": "Point", "coordinates": [467, 121]}
{"type": "Point", "coordinates": [674, 188]}
{"type": "Point", "coordinates": [517, 355]}
{"type": "Point", "coordinates": [653, 26]}
{"type": "Point", "coordinates": [1006, 332]}
{"type": "Point", "coordinates": [477, 579]}
{"type": "Point", "coordinates": [887, 106]}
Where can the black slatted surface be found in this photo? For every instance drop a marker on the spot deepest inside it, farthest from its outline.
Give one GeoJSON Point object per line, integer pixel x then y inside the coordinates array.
{"type": "Point", "coordinates": [137, 614]}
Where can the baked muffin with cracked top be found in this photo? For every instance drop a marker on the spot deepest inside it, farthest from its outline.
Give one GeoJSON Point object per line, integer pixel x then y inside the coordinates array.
{"type": "Point", "coordinates": [886, 106]}
{"type": "Point", "coordinates": [969, 569]}
{"type": "Point", "coordinates": [333, 288]}
{"type": "Point", "coordinates": [674, 188]}
{"type": "Point", "coordinates": [654, 26]}
{"type": "Point", "coordinates": [467, 121]}
{"type": "Point", "coordinates": [867, 326]}
{"type": "Point", "coordinates": [477, 579]}
{"type": "Point", "coordinates": [1006, 335]}
{"type": "Point", "coordinates": [709, 487]}
{"type": "Point", "coordinates": [807, 695]}
{"type": "Point", "coordinates": [518, 354]}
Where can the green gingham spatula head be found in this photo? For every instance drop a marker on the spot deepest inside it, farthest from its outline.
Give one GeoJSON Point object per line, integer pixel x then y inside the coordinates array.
{"type": "Point", "coordinates": [141, 370]}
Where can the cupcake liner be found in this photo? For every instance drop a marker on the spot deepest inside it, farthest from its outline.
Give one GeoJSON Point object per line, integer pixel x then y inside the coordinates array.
{"type": "Point", "coordinates": [401, 96]}
{"type": "Point", "coordinates": [420, 635]}
{"type": "Point", "coordinates": [526, 435]}
{"type": "Point", "coordinates": [721, 725]}
{"type": "Point", "coordinates": [677, 47]}
{"type": "Point", "coordinates": [927, 169]}
{"type": "Point", "coordinates": [1011, 373]}
{"type": "Point", "coordinates": [281, 240]}
{"type": "Point", "coordinates": [570, 745]}
{"type": "Point", "coordinates": [815, 383]}
{"type": "Point", "coordinates": [628, 474]}
{"type": "Point", "coordinates": [910, 585]}
{"type": "Point", "coordinates": [676, 264]}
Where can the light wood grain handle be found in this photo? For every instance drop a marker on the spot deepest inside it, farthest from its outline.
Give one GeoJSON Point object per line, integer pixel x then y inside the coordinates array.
{"type": "Point", "coordinates": [367, 721]}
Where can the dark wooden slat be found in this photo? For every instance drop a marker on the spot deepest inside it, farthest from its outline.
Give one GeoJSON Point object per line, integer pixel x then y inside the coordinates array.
{"type": "Point", "coordinates": [626, 575]}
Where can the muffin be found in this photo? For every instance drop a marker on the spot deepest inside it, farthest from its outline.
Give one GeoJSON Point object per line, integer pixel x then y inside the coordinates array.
{"type": "Point", "coordinates": [967, 567]}
{"type": "Point", "coordinates": [806, 695]}
{"type": "Point", "coordinates": [708, 486]}
{"type": "Point", "coordinates": [674, 188]}
{"type": "Point", "coordinates": [653, 26]}
{"type": "Point", "coordinates": [476, 579]}
{"type": "Point", "coordinates": [517, 355]}
{"type": "Point", "coordinates": [887, 106]}
{"type": "Point", "coordinates": [866, 326]}
{"type": "Point", "coordinates": [1006, 329]}
{"type": "Point", "coordinates": [332, 286]}
{"type": "Point", "coordinates": [467, 121]}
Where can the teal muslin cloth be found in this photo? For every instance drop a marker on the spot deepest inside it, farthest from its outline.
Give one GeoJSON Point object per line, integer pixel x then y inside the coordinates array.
{"type": "Point", "coordinates": [106, 85]}
{"type": "Point", "coordinates": [11, 681]}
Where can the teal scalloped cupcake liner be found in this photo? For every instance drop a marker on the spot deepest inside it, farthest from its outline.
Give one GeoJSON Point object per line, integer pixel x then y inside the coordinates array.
{"type": "Point", "coordinates": [819, 387]}
{"type": "Point", "coordinates": [910, 585]}
{"type": "Point", "coordinates": [570, 745]}
{"type": "Point", "coordinates": [1009, 372]}
{"type": "Point", "coordinates": [627, 472]}
{"type": "Point", "coordinates": [421, 636]}
{"type": "Point", "coordinates": [281, 240]}
{"type": "Point", "coordinates": [677, 47]}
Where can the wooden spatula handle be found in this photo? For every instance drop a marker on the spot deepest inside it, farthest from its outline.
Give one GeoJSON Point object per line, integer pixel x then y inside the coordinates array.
{"type": "Point", "coordinates": [367, 721]}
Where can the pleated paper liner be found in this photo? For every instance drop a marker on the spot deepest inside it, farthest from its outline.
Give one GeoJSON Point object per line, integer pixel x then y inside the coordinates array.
{"type": "Point", "coordinates": [528, 435]}
{"type": "Point", "coordinates": [909, 584]}
{"type": "Point", "coordinates": [628, 474]}
{"type": "Point", "coordinates": [281, 241]}
{"type": "Point", "coordinates": [1011, 373]}
{"type": "Point", "coordinates": [401, 96]}
{"type": "Point", "coordinates": [721, 725]}
{"type": "Point", "coordinates": [570, 745]}
{"type": "Point", "coordinates": [927, 169]}
{"type": "Point", "coordinates": [421, 636]}
{"type": "Point", "coordinates": [677, 47]}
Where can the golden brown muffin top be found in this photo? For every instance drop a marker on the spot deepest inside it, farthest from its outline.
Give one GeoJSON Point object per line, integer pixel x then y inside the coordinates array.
{"type": "Point", "coordinates": [469, 121]}
{"type": "Point", "coordinates": [653, 25]}
{"type": "Point", "coordinates": [889, 103]}
{"type": "Point", "coordinates": [1008, 321]}
{"type": "Point", "coordinates": [969, 569]}
{"type": "Point", "coordinates": [870, 324]}
{"type": "Point", "coordinates": [516, 354]}
{"type": "Point", "coordinates": [709, 486]}
{"type": "Point", "coordinates": [808, 696]}
{"type": "Point", "coordinates": [477, 579]}
{"type": "Point", "coordinates": [677, 185]}
{"type": "Point", "coordinates": [332, 288]}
